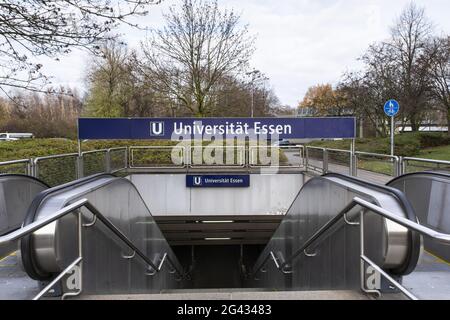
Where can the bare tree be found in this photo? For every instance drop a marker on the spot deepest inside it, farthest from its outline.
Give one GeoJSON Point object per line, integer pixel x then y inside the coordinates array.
{"type": "Point", "coordinates": [34, 28]}
{"type": "Point", "coordinates": [108, 78]}
{"type": "Point", "coordinates": [440, 74]}
{"type": "Point", "coordinates": [199, 45]}
{"type": "Point", "coordinates": [410, 37]}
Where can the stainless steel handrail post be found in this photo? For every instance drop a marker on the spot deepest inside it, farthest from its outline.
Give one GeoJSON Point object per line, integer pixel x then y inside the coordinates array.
{"type": "Point", "coordinates": [31, 168]}
{"type": "Point", "coordinates": [306, 159]}
{"type": "Point", "coordinates": [325, 161]}
{"type": "Point", "coordinates": [108, 161]}
{"type": "Point", "coordinates": [80, 166]}
{"type": "Point", "coordinates": [78, 261]}
{"type": "Point", "coordinates": [362, 253]}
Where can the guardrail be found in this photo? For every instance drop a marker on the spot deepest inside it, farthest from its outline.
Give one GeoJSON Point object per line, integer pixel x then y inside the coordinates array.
{"type": "Point", "coordinates": [224, 157]}
{"type": "Point", "coordinates": [324, 160]}
{"type": "Point", "coordinates": [390, 167]}
{"type": "Point", "coordinates": [62, 168]}
{"type": "Point", "coordinates": [23, 166]}
{"type": "Point", "coordinates": [410, 165]}
{"type": "Point", "coordinates": [58, 169]}
{"type": "Point", "coordinates": [117, 159]}
{"type": "Point", "coordinates": [142, 157]}
{"type": "Point", "coordinates": [290, 154]}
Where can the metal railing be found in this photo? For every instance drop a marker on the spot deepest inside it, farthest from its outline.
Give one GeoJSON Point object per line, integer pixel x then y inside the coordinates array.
{"type": "Point", "coordinates": [23, 166]}
{"type": "Point", "coordinates": [254, 153]}
{"type": "Point", "coordinates": [341, 159]}
{"type": "Point", "coordinates": [223, 158]}
{"type": "Point", "coordinates": [152, 267]}
{"type": "Point", "coordinates": [117, 159]}
{"type": "Point", "coordinates": [142, 157]}
{"type": "Point", "coordinates": [284, 265]}
{"type": "Point", "coordinates": [390, 167]}
{"type": "Point", "coordinates": [313, 162]}
{"type": "Point", "coordinates": [62, 168]}
{"type": "Point", "coordinates": [58, 169]}
{"type": "Point", "coordinates": [410, 165]}
{"type": "Point", "coordinates": [95, 161]}
{"type": "Point", "coordinates": [324, 160]}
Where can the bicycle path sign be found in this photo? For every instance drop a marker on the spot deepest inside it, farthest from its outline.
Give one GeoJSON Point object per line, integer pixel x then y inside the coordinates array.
{"type": "Point", "coordinates": [392, 108]}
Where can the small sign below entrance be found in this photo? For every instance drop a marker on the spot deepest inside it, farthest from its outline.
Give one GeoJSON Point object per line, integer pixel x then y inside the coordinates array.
{"type": "Point", "coordinates": [217, 181]}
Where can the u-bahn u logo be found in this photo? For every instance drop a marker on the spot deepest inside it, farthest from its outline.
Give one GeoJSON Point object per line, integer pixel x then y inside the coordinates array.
{"type": "Point", "coordinates": [157, 128]}
{"type": "Point", "coordinates": [197, 181]}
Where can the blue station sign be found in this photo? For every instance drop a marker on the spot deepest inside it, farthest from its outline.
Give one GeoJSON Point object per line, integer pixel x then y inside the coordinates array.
{"type": "Point", "coordinates": [217, 181]}
{"type": "Point", "coordinates": [170, 128]}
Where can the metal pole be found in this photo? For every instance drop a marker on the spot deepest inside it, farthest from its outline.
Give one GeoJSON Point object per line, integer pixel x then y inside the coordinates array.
{"type": "Point", "coordinates": [353, 161]}
{"type": "Point", "coordinates": [80, 168]}
{"type": "Point", "coordinates": [392, 135]}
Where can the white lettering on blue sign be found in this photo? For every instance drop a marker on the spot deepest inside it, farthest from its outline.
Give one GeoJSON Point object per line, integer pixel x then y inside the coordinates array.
{"type": "Point", "coordinates": [157, 128]}
{"type": "Point", "coordinates": [217, 181]}
{"type": "Point", "coordinates": [228, 128]}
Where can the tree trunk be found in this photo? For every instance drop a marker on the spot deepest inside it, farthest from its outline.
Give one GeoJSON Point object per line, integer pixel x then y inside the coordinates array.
{"type": "Point", "coordinates": [414, 125]}
{"type": "Point", "coordinates": [448, 121]}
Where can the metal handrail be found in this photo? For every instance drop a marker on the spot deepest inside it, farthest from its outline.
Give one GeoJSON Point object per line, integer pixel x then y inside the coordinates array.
{"type": "Point", "coordinates": [338, 150]}
{"type": "Point", "coordinates": [183, 157]}
{"type": "Point", "coordinates": [94, 151]}
{"type": "Point", "coordinates": [5, 163]}
{"type": "Point", "coordinates": [315, 148]}
{"type": "Point", "coordinates": [242, 157]}
{"type": "Point", "coordinates": [117, 148]}
{"type": "Point", "coordinates": [125, 158]}
{"type": "Point", "coordinates": [380, 155]}
{"type": "Point", "coordinates": [441, 237]}
{"type": "Point", "coordinates": [426, 160]}
{"type": "Point", "coordinates": [253, 164]}
{"type": "Point", "coordinates": [30, 228]}
{"type": "Point", "coordinates": [36, 160]}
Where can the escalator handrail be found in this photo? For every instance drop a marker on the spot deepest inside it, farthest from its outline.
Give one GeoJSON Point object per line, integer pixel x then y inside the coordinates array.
{"type": "Point", "coordinates": [36, 225]}
{"type": "Point", "coordinates": [413, 253]}
{"type": "Point", "coordinates": [410, 225]}
{"type": "Point", "coordinates": [26, 243]}
{"type": "Point", "coordinates": [431, 173]}
{"type": "Point", "coordinates": [400, 196]}
{"type": "Point", "coordinates": [413, 238]}
{"type": "Point", "coordinates": [6, 175]}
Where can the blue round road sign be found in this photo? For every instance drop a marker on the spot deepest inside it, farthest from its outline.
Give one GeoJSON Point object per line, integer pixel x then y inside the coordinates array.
{"type": "Point", "coordinates": [391, 108]}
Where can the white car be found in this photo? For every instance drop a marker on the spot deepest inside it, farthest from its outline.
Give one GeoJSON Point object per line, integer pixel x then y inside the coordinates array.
{"type": "Point", "coordinates": [15, 136]}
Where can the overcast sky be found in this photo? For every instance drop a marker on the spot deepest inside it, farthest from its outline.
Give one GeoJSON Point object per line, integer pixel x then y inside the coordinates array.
{"type": "Point", "coordinates": [300, 43]}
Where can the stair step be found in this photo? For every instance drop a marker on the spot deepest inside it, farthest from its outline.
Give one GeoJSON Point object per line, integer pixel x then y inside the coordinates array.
{"type": "Point", "coordinates": [227, 294]}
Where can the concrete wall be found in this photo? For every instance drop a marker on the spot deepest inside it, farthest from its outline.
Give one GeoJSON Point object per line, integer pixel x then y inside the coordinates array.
{"type": "Point", "coordinates": [167, 194]}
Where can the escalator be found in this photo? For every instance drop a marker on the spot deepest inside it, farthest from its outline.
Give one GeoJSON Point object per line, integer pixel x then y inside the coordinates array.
{"type": "Point", "coordinates": [16, 194]}
{"type": "Point", "coordinates": [109, 267]}
{"type": "Point", "coordinates": [333, 261]}
{"type": "Point", "coordinates": [429, 194]}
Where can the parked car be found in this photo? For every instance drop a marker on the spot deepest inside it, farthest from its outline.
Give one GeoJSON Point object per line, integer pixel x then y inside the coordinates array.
{"type": "Point", "coordinates": [282, 143]}
{"type": "Point", "coordinates": [15, 136]}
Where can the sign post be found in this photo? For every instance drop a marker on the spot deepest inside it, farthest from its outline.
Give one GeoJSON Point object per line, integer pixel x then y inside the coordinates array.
{"type": "Point", "coordinates": [392, 108]}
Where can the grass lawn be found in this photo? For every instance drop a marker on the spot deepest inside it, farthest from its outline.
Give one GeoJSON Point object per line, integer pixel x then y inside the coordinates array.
{"type": "Point", "coordinates": [437, 153]}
